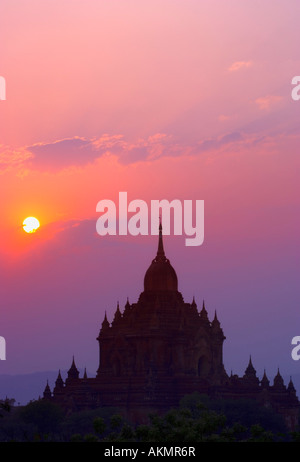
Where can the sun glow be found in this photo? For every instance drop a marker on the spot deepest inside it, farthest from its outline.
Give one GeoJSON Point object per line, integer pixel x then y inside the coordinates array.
{"type": "Point", "coordinates": [31, 224]}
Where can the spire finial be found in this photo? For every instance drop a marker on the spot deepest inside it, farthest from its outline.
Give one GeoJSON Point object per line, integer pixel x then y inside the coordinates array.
{"type": "Point", "coordinates": [160, 250]}
{"type": "Point", "coordinates": [105, 322]}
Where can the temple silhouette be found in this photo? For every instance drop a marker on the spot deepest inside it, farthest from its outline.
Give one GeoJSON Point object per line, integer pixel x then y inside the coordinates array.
{"type": "Point", "coordinates": [160, 349]}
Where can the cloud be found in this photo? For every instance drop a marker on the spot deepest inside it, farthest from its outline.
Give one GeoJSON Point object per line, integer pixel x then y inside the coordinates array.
{"type": "Point", "coordinates": [161, 145]}
{"type": "Point", "coordinates": [236, 66]}
{"type": "Point", "coordinates": [223, 118]}
{"type": "Point", "coordinates": [12, 158]}
{"type": "Point", "coordinates": [151, 148]}
{"type": "Point", "coordinates": [77, 151]}
{"type": "Point", "coordinates": [62, 153]}
{"type": "Point", "coordinates": [219, 142]}
{"type": "Point", "coordinates": [266, 102]}
{"type": "Point", "coordinates": [81, 151]}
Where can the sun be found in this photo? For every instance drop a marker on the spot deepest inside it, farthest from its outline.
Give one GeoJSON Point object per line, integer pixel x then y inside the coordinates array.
{"type": "Point", "coordinates": [31, 224]}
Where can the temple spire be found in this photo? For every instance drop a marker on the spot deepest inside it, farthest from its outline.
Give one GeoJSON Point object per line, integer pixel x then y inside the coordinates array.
{"type": "Point", "coordinates": [160, 276]}
{"type": "Point", "coordinates": [160, 250]}
{"type": "Point", "coordinates": [47, 391]}
{"type": "Point", "coordinates": [73, 372]}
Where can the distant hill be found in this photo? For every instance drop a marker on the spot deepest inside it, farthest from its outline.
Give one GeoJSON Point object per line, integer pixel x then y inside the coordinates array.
{"type": "Point", "coordinates": [27, 387]}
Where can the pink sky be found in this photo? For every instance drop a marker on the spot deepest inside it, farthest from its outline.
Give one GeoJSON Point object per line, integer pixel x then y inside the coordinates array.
{"type": "Point", "coordinates": [164, 100]}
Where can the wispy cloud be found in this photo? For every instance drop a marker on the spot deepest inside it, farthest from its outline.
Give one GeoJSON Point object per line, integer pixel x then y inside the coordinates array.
{"type": "Point", "coordinates": [62, 154]}
{"type": "Point", "coordinates": [12, 157]}
{"type": "Point", "coordinates": [266, 102]}
{"type": "Point", "coordinates": [223, 118]}
{"type": "Point", "coordinates": [237, 65]}
{"type": "Point", "coordinates": [79, 151]}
